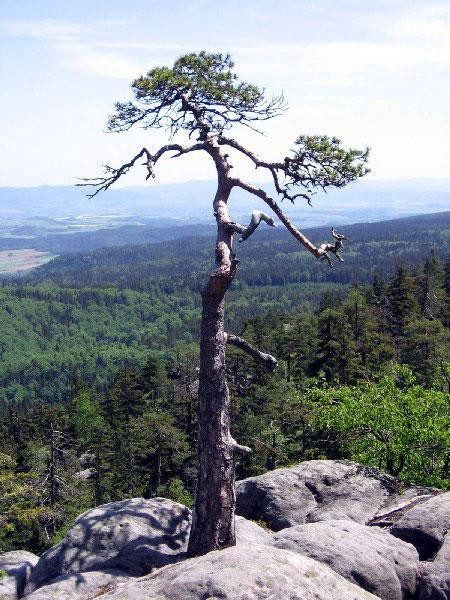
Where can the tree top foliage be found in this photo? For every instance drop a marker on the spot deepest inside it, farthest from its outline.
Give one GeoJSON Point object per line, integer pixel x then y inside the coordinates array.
{"type": "Point", "coordinates": [205, 82]}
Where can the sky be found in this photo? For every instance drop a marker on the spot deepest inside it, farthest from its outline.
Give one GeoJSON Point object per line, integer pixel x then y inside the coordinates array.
{"type": "Point", "coordinates": [372, 72]}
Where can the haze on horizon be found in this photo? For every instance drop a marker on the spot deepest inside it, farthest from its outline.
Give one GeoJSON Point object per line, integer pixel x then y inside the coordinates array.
{"type": "Point", "coordinates": [372, 73]}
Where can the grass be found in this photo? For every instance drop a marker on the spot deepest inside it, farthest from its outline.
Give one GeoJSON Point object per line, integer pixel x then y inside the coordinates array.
{"type": "Point", "coordinates": [15, 261]}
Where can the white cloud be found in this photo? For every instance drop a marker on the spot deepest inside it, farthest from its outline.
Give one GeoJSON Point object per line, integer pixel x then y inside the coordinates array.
{"type": "Point", "coordinates": [407, 40]}
{"type": "Point", "coordinates": [46, 29]}
{"type": "Point", "coordinates": [66, 39]}
{"type": "Point", "coordinates": [87, 59]}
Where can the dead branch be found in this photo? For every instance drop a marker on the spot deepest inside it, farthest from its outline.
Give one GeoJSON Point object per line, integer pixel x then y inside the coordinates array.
{"type": "Point", "coordinates": [269, 361]}
{"type": "Point", "coordinates": [103, 183]}
{"type": "Point", "coordinates": [246, 232]}
{"type": "Point", "coordinates": [322, 251]}
{"type": "Point", "coordinates": [335, 248]}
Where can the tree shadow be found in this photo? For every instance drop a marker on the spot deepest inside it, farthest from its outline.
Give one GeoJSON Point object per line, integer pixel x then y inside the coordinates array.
{"type": "Point", "coordinates": [134, 536]}
{"type": "Point", "coordinates": [19, 572]}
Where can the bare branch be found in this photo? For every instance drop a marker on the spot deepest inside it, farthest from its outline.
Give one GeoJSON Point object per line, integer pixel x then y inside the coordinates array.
{"type": "Point", "coordinates": [246, 232]}
{"type": "Point", "coordinates": [238, 447]}
{"type": "Point", "coordinates": [321, 252]}
{"type": "Point", "coordinates": [260, 193]}
{"type": "Point", "coordinates": [103, 183]}
{"type": "Point", "coordinates": [273, 167]}
{"type": "Point", "coordinates": [268, 360]}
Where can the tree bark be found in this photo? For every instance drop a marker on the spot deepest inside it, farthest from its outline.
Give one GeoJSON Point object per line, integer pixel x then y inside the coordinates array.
{"type": "Point", "coordinates": [213, 515]}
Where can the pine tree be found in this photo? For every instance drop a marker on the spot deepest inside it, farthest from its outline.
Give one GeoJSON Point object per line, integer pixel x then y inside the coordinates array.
{"type": "Point", "coordinates": [336, 356]}
{"type": "Point", "coordinates": [431, 288]}
{"type": "Point", "coordinates": [447, 291]}
{"type": "Point", "coordinates": [124, 401]}
{"type": "Point", "coordinates": [402, 297]}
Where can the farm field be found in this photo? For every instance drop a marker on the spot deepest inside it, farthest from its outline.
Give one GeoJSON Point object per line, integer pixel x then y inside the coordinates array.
{"type": "Point", "coordinates": [15, 261]}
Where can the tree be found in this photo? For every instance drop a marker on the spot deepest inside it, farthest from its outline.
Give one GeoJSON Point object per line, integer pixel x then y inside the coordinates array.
{"type": "Point", "coordinates": [20, 511]}
{"type": "Point", "coordinates": [402, 296]}
{"type": "Point", "coordinates": [431, 288]}
{"type": "Point", "coordinates": [201, 97]}
{"type": "Point", "coordinates": [394, 425]}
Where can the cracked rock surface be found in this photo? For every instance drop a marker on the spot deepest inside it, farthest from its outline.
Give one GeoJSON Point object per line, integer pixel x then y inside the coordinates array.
{"type": "Point", "coordinates": [367, 556]}
{"type": "Point", "coordinates": [319, 490]}
{"type": "Point", "coordinates": [243, 573]}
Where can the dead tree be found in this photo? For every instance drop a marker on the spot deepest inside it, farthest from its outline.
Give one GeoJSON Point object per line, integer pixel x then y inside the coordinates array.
{"type": "Point", "coordinates": [202, 98]}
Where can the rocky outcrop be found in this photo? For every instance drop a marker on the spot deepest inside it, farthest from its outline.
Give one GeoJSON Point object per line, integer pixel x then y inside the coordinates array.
{"type": "Point", "coordinates": [84, 475]}
{"type": "Point", "coordinates": [318, 556]}
{"type": "Point", "coordinates": [316, 490]}
{"type": "Point", "coordinates": [425, 525]}
{"type": "Point", "coordinates": [435, 581]}
{"type": "Point", "coordinates": [366, 556]}
{"type": "Point", "coordinates": [320, 490]}
{"type": "Point", "coordinates": [87, 459]}
{"type": "Point", "coordinates": [16, 567]}
{"type": "Point", "coordinates": [248, 532]}
{"type": "Point", "coordinates": [133, 536]}
{"type": "Point", "coordinates": [243, 573]}
{"type": "Point", "coordinates": [80, 586]}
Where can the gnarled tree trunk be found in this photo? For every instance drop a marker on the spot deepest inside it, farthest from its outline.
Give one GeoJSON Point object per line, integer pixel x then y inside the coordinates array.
{"type": "Point", "coordinates": [213, 517]}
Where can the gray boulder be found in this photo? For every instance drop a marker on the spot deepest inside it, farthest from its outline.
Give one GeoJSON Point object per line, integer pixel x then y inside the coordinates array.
{"type": "Point", "coordinates": [84, 475]}
{"type": "Point", "coordinates": [8, 588]}
{"type": "Point", "coordinates": [315, 490]}
{"type": "Point", "coordinates": [80, 586]}
{"type": "Point", "coordinates": [87, 460]}
{"type": "Point", "coordinates": [133, 536]}
{"type": "Point", "coordinates": [425, 525]}
{"type": "Point", "coordinates": [367, 556]}
{"type": "Point", "coordinates": [243, 573]}
{"type": "Point", "coordinates": [435, 581]}
{"type": "Point", "coordinates": [16, 566]}
{"type": "Point", "coordinates": [248, 532]}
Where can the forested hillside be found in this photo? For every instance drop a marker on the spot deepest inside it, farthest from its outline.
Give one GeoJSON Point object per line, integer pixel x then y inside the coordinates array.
{"type": "Point", "coordinates": [91, 313]}
{"type": "Point", "coordinates": [69, 242]}
{"type": "Point", "coordinates": [269, 258]}
{"type": "Point", "coordinates": [364, 376]}
{"type": "Point", "coordinates": [48, 335]}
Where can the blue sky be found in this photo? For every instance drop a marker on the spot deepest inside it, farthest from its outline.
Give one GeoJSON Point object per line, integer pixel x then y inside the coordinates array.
{"type": "Point", "coordinates": [373, 72]}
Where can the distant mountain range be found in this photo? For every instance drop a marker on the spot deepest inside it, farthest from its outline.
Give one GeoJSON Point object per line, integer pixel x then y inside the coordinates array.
{"type": "Point", "coordinates": [190, 202]}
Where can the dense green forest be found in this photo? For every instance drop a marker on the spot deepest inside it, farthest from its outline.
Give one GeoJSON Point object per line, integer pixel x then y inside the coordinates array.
{"type": "Point", "coordinates": [98, 384]}
{"type": "Point", "coordinates": [48, 335]}
{"type": "Point", "coordinates": [365, 375]}
{"type": "Point", "coordinates": [270, 258]}
{"type": "Point", "coordinates": [89, 313]}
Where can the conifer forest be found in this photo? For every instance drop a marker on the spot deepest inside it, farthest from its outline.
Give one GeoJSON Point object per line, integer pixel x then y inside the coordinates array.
{"type": "Point", "coordinates": [99, 384]}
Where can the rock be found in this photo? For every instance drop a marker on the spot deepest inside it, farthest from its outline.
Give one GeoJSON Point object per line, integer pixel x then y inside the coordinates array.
{"type": "Point", "coordinates": [17, 565]}
{"type": "Point", "coordinates": [315, 490]}
{"type": "Point", "coordinates": [425, 525]}
{"type": "Point", "coordinates": [435, 582]}
{"type": "Point", "coordinates": [8, 588]}
{"type": "Point", "coordinates": [133, 536]}
{"type": "Point", "coordinates": [243, 573]}
{"type": "Point", "coordinates": [248, 532]}
{"type": "Point", "coordinates": [80, 586]}
{"type": "Point", "coordinates": [391, 512]}
{"type": "Point", "coordinates": [84, 475]}
{"type": "Point", "coordinates": [367, 556]}
{"type": "Point", "coordinates": [87, 460]}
